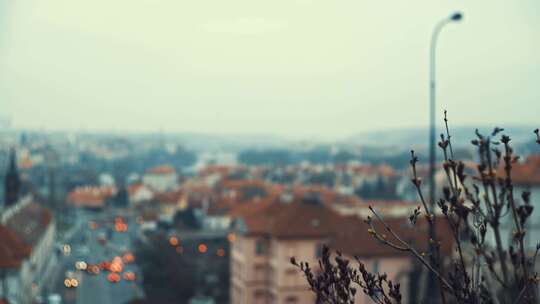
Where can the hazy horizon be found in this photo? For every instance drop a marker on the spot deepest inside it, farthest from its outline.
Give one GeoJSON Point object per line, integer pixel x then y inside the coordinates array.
{"type": "Point", "coordinates": [301, 69]}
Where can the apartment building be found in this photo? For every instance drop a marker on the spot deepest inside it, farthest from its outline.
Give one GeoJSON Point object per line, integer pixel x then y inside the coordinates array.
{"type": "Point", "coordinates": [261, 272]}
{"type": "Point", "coordinates": [27, 231]}
{"type": "Point", "coordinates": [161, 179]}
{"type": "Point", "coordinates": [526, 178]}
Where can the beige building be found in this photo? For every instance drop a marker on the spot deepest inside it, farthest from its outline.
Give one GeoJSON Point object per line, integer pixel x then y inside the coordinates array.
{"type": "Point", "coordinates": [139, 193]}
{"type": "Point", "coordinates": [261, 272]}
{"type": "Point", "coordinates": [161, 179]}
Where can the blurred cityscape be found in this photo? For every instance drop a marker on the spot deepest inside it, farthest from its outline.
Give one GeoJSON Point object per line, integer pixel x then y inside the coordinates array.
{"type": "Point", "coordinates": [269, 152]}
{"type": "Point", "coordinates": [161, 218]}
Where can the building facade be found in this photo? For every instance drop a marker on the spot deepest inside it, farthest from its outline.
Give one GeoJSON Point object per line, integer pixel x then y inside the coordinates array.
{"type": "Point", "coordinates": [161, 178]}
{"type": "Point", "coordinates": [33, 231]}
{"type": "Point", "coordinates": [261, 271]}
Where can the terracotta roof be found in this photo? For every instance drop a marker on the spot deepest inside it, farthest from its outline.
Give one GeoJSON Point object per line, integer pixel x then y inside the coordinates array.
{"type": "Point", "coordinates": [292, 220]}
{"type": "Point", "coordinates": [249, 190]}
{"type": "Point", "coordinates": [526, 173]}
{"type": "Point", "coordinates": [386, 204]}
{"type": "Point", "coordinates": [224, 205]}
{"type": "Point", "coordinates": [352, 237]}
{"type": "Point", "coordinates": [92, 197]}
{"type": "Point", "coordinates": [197, 187]}
{"type": "Point", "coordinates": [238, 184]}
{"type": "Point", "coordinates": [326, 195]}
{"type": "Point", "coordinates": [248, 209]}
{"type": "Point", "coordinates": [383, 170]}
{"type": "Point", "coordinates": [163, 169]}
{"type": "Point", "coordinates": [215, 169]}
{"type": "Point", "coordinates": [30, 223]}
{"type": "Point", "coordinates": [169, 197]}
{"type": "Point", "coordinates": [12, 249]}
{"type": "Point", "coordinates": [302, 220]}
{"type": "Point", "coordinates": [233, 199]}
{"type": "Point", "coordinates": [219, 207]}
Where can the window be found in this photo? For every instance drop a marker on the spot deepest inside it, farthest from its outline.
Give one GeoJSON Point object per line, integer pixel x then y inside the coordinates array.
{"type": "Point", "coordinates": [272, 275]}
{"type": "Point", "coordinates": [318, 250]}
{"type": "Point", "coordinates": [291, 300]}
{"type": "Point", "coordinates": [260, 247]}
{"type": "Point", "coordinates": [272, 249]}
{"type": "Point", "coordinates": [261, 296]}
{"type": "Point", "coordinates": [291, 277]}
{"type": "Point", "coordinates": [271, 298]}
{"type": "Point", "coordinates": [376, 266]}
{"type": "Point", "coordinates": [376, 270]}
{"type": "Point", "coordinates": [261, 272]}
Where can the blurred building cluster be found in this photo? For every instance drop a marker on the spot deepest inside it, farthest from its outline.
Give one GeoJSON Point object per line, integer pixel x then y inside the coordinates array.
{"type": "Point", "coordinates": [225, 230]}
{"type": "Point", "coordinates": [27, 242]}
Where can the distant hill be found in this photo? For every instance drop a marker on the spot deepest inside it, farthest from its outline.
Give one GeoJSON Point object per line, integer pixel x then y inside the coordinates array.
{"type": "Point", "coordinates": [418, 137]}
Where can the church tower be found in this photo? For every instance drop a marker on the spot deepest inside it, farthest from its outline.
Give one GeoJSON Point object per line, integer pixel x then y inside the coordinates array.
{"type": "Point", "coordinates": [12, 183]}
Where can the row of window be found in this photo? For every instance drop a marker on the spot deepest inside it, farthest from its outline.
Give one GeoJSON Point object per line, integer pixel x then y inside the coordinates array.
{"type": "Point", "coordinates": [265, 273]}
{"type": "Point", "coordinates": [265, 297]}
{"type": "Point", "coordinates": [262, 248]}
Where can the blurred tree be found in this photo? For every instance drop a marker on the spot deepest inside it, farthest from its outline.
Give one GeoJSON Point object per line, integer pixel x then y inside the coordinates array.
{"type": "Point", "coordinates": [121, 199]}
{"type": "Point", "coordinates": [343, 157]}
{"type": "Point", "coordinates": [267, 157]}
{"type": "Point", "coordinates": [168, 276]}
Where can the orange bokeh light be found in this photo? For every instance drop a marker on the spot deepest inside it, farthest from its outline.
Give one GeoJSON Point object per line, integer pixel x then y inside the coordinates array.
{"type": "Point", "coordinates": [129, 276]}
{"type": "Point", "coordinates": [116, 267]}
{"type": "Point", "coordinates": [121, 227]}
{"type": "Point", "coordinates": [173, 241]}
{"type": "Point", "coordinates": [220, 252]}
{"type": "Point", "coordinates": [105, 265]}
{"type": "Point", "coordinates": [93, 225]}
{"type": "Point", "coordinates": [128, 258]}
{"type": "Point", "coordinates": [231, 237]}
{"type": "Point", "coordinates": [113, 277]}
{"type": "Point", "coordinates": [202, 248]}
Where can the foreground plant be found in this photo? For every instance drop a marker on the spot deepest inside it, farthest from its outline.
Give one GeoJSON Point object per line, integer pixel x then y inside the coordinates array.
{"type": "Point", "coordinates": [474, 207]}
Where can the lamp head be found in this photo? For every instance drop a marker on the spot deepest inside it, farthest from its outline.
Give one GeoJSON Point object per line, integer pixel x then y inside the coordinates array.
{"type": "Point", "coordinates": [457, 16]}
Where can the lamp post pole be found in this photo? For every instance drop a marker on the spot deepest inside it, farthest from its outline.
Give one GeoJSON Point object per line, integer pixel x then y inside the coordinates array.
{"type": "Point", "coordinates": [455, 17]}
{"type": "Point", "coordinates": [432, 98]}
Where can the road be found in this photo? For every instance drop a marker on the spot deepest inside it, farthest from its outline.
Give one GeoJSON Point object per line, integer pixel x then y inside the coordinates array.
{"type": "Point", "coordinates": [85, 247]}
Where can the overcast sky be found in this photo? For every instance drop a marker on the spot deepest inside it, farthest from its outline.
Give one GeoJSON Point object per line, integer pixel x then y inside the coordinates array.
{"type": "Point", "coordinates": [285, 67]}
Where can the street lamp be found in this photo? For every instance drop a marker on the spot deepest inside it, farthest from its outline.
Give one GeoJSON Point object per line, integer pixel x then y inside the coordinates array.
{"type": "Point", "coordinates": [455, 17]}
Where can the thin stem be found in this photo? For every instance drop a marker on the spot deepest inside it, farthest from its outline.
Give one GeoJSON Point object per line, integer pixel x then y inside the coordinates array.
{"type": "Point", "coordinates": [413, 251]}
